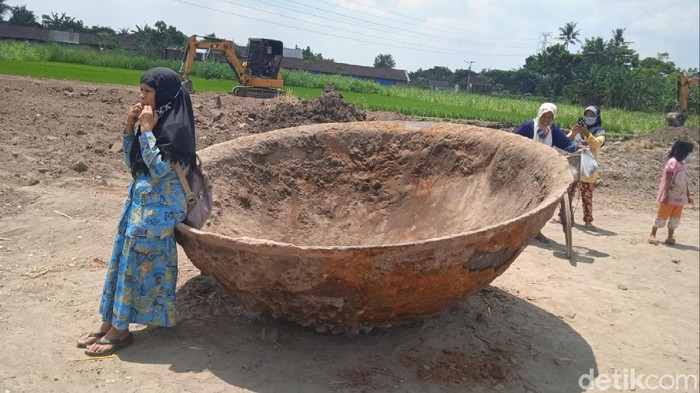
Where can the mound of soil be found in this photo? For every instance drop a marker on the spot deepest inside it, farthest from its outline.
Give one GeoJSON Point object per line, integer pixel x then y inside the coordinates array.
{"type": "Point", "coordinates": [328, 108]}
{"type": "Point", "coordinates": [667, 135]}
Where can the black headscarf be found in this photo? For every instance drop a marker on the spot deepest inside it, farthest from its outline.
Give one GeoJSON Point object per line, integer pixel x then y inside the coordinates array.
{"type": "Point", "coordinates": [174, 130]}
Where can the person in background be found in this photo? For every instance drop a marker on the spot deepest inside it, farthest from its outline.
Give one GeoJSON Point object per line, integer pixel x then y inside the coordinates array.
{"type": "Point", "coordinates": [674, 192]}
{"type": "Point", "coordinates": [591, 135]}
{"type": "Point", "coordinates": [543, 130]}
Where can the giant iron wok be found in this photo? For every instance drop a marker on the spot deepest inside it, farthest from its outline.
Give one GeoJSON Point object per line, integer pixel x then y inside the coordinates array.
{"type": "Point", "coordinates": [347, 226]}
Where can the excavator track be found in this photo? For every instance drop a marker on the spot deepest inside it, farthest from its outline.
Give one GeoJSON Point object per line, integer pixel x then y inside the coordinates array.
{"type": "Point", "coordinates": [256, 92]}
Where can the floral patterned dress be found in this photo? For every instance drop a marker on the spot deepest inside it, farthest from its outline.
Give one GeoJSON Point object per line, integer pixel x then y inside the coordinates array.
{"type": "Point", "coordinates": [142, 273]}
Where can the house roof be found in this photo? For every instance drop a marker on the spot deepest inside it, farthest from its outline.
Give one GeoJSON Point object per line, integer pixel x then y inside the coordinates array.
{"type": "Point", "coordinates": [123, 41]}
{"type": "Point", "coordinates": [41, 34]}
{"type": "Point", "coordinates": [292, 53]}
{"type": "Point", "coordinates": [23, 32]}
{"type": "Point", "coordinates": [330, 67]}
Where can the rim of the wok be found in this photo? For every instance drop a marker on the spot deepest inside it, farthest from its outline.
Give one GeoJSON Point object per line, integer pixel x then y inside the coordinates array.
{"type": "Point", "coordinates": [553, 198]}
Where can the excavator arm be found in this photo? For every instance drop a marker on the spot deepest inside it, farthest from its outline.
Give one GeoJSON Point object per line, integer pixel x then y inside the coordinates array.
{"type": "Point", "coordinates": [223, 46]}
{"type": "Point", "coordinates": [683, 91]}
{"type": "Point", "coordinates": [258, 81]}
{"type": "Point", "coordinates": [677, 119]}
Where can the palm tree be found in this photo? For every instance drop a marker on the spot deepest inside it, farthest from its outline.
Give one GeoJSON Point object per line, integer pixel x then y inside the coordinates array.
{"type": "Point", "coordinates": [618, 37]}
{"type": "Point", "coordinates": [569, 34]}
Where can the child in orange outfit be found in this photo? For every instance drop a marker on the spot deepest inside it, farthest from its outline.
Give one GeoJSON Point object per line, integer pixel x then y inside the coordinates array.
{"type": "Point", "coordinates": [673, 191]}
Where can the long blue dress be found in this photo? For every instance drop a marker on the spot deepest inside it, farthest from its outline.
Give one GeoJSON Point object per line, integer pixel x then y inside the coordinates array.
{"type": "Point", "coordinates": [142, 273]}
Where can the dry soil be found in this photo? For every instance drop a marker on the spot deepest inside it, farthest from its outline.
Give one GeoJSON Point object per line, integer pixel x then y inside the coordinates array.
{"type": "Point", "coordinates": [620, 306]}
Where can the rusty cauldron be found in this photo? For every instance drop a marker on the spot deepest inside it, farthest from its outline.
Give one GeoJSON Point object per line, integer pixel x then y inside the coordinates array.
{"type": "Point", "coordinates": [348, 226]}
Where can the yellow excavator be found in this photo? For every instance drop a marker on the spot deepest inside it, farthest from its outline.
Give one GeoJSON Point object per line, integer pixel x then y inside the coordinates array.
{"type": "Point", "coordinates": [260, 76]}
{"type": "Point", "coordinates": [677, 119]}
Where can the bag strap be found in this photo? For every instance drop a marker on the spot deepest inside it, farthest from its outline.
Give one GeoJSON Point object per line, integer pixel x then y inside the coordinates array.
{"type": "Point", "coordinates": [186, 186]}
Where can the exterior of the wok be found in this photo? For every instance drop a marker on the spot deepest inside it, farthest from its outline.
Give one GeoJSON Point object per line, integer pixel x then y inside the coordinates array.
{"type": "Point", "coordinates": [351, 289]}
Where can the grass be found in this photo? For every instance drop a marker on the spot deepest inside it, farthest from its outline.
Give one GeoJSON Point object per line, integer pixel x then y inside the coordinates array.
{"type": "Point", "coordinates": [409, 101]}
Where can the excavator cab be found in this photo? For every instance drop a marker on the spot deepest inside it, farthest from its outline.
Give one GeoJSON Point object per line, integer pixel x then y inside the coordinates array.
{"type": "Point", "coordinates": [259, 76]}
{"type": "Point", "coordinates": [264, 57]}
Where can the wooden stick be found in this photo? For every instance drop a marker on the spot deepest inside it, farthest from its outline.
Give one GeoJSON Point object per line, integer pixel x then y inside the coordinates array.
{"type": "Point", "coordinates": [36, 274]}
{"type": "Point", "coordinates": [63, 214]}
{"type": "Point", "coordinates": [112, 356]}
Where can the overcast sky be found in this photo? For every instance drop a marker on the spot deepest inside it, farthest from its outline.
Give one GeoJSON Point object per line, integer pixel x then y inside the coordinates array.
{"type": "Point", "coordinates": [495, 34]}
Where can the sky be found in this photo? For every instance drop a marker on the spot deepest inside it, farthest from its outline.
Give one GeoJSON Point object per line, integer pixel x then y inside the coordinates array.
{"type": "Point", "coordinates": [481, 34]}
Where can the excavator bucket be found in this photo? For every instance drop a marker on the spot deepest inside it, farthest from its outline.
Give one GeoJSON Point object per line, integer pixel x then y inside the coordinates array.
{"type": "Point", "coordinates": [187, 84]}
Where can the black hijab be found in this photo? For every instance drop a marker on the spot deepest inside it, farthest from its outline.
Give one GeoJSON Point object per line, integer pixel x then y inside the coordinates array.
{"type": "Point", "coordinates": [174, 130]}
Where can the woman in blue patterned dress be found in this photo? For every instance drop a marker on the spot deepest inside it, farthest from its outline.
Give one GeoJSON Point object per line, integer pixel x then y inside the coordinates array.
{"type": "Point", "coordinates": [142, 273]}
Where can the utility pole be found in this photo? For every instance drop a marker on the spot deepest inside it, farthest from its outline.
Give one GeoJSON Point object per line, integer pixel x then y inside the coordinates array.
{"type": "Point", "coordinates": [545, 38]}
{"type": "Point", "coordinates": [469, 76]}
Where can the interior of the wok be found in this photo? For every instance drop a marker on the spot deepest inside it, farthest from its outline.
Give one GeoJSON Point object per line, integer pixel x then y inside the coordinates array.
{"type": "Point", "coordinates": [372, 185]}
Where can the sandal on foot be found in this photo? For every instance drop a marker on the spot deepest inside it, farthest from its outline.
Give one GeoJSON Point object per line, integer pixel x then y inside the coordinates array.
{"type": "Point", "coordinates": [670, 242]}
{"type": "Point", "coordinates": [116, 345]}
{"type": "Point", "coordinates": [97, 335]}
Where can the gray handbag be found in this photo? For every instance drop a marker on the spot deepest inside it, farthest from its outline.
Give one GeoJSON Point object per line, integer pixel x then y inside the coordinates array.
{"type": "Point", "coordinates": [199, 193]}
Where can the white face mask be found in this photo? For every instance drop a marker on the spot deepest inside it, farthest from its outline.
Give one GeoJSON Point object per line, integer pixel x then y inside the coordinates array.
{"type": "Point", "coordinates": [688, 157]}
{"type": "Point", "coordinates": [589, 120]}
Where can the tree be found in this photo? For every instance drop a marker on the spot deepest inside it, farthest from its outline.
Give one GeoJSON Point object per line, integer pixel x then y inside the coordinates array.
{"type": "Point", "coordinates": [461, 74]}
{"type": "Point", "coordinates": [153, 42]}
{"type": "Point", "coordinates": [519, 81]}
{"type": "Point", "coordinates": [659, 65]}
{"type": "Point", "coordinates": [124, 31]}
{"type": "Point", "coordinates": [556, 66]}
{"type": "Point", "coordinates": [384, 61]}
{"type": "Point", "coordinates": [4, 9]}
{"type": "Point", "coordinates": [309, 55]}
{"type": "Point", "coordinates": [21, 16]}
{"type": "Point", "coordinates": [62, 22]}
{"type": "Point", "coordinates": [101, 30]}
{"type": "Point", "coordinates": [436, 73]}
{"type": "Point", "coordinates": [569, 35]}
{"type": "Point", "coordinates": [618, 38]}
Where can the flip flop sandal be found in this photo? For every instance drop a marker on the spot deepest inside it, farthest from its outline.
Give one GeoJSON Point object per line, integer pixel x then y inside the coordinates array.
{"type": "Point", "coordinates": [96, 335]}
{"type": "Point", "coordinates": [116, 345]}
{"type": "Point", "coordinates": [670, 242]}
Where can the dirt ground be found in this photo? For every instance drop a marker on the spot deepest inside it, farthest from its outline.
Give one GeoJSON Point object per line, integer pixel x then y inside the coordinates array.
{"type": "Point", "coordinates": [620, 307]}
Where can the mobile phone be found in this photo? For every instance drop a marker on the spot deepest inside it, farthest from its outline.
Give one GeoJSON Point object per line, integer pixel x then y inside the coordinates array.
{"type": "Point", "coordinates": [581, 122]}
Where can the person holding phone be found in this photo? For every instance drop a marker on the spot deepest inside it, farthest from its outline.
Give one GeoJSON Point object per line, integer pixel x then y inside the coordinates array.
{"type": "Point", "coordinates": [588, 133]}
